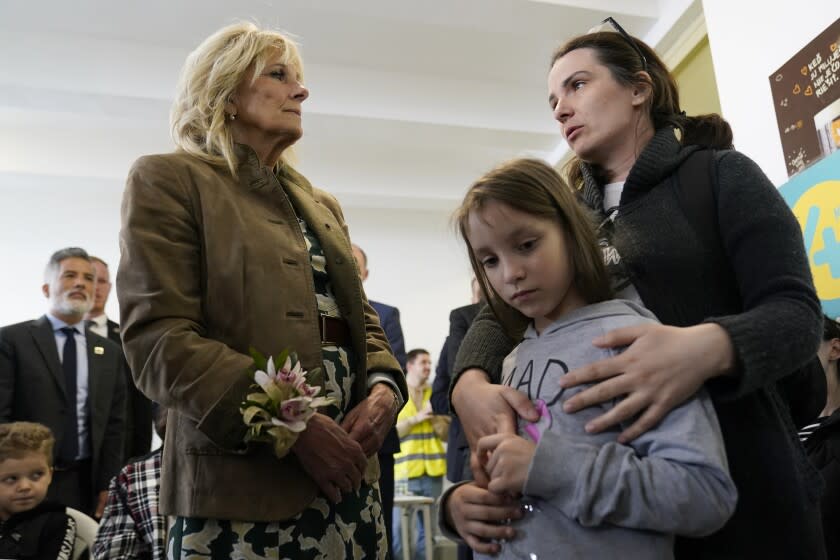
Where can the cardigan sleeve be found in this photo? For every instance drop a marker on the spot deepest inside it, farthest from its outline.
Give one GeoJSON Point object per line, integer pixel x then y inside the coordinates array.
{"type": "Point", "coordinates": [484, 347]}
{"type": "Point", "coordinates": [779, 329]}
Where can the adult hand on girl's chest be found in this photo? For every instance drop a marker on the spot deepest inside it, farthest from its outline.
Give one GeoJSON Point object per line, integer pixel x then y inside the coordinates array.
{"type": "Point", "coordinates": [661, 368]}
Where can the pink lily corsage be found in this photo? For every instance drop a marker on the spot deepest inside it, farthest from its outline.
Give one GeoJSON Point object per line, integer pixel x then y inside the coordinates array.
{"type": "Point", "coordinates": [279, 412]}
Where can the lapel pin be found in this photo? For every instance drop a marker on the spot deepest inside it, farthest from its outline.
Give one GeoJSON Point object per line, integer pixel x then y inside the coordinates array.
{"type": "Point", "coordinates": [98, 350]}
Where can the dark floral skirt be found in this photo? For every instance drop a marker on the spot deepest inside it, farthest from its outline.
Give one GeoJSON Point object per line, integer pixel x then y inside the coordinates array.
{"type": "Point", "coordinates": [352, 529]}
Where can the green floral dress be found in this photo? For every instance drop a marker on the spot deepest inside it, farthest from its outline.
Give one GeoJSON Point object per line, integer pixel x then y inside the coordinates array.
{"type": "Point", "coordinates": [353, 528]}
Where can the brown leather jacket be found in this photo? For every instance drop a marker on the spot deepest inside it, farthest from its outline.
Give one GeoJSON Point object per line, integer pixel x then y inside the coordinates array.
{"type": "Point", "coordinates": [211, 265]}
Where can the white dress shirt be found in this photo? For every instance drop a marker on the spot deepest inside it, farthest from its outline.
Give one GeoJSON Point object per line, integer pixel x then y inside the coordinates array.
{"type": "Point", "coordinates": [99, 325]}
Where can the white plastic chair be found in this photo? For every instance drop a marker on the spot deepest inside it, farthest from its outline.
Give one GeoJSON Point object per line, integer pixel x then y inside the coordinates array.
{"type": "Point", "coordinates": [408, 504]}
{"type": "Point", "coordinates": [86, 528]}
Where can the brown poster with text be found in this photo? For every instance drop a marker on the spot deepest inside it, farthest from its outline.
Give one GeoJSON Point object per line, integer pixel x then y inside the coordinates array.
{"type": "Point", "coordinates": [806, 94]}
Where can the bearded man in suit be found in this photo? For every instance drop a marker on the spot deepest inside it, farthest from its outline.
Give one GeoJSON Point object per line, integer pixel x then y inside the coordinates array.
{"type": "Point", "coordinates": [55, 371]}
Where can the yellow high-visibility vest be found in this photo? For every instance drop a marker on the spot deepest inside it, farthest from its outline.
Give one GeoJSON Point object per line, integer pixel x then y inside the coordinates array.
{"type": "Point", "coordinates": [421, 451]}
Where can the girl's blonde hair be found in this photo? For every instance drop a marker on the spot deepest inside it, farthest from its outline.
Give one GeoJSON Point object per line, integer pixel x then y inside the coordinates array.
{"type": "Point", "coordinates": [533, 187]}
{"type": "Point", "coordinates": [209, 77]}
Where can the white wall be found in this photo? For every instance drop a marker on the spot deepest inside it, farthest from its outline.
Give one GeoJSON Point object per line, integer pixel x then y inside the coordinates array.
{"type": "Point", "coordinates": [750, 40]}
{"type": "Point", "coordinates": [416, 263]}
{"type": "Point", "coordinates": [40, 214]}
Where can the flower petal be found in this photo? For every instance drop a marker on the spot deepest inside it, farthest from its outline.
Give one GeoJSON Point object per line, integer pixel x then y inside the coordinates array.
{"type": "Point", "coordinates": [258, 399]}
{"type": "Point", "coordinates": [310, 391]}
{"type": "Point", "coordinates": [262, 379]}
{"type": "Point", "coordinates": [321, 401]}
{"type": "Point", "coordinates": [252, 412]}
{"type": "Point", "coordinates": [295, 425]}
{"type": "Point", "coordinates": [277, 393]}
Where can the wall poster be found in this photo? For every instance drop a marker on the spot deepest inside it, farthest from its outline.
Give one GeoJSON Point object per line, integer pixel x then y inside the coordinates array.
{"type": "Point", "coordinates": [814, 196]}
{"type": "Point", "coordinates": [806, 95]}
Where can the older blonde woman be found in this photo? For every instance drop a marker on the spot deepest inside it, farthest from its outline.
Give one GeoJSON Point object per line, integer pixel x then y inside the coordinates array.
{"type": "Point", "coordinates": [226, 246]}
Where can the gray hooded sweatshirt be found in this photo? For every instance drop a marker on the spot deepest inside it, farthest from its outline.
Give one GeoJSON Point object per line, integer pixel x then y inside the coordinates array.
{"type": "Point", "coordinates": [586, 495]}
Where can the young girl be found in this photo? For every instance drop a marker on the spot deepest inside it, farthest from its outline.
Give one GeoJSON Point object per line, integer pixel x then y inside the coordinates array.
{"type": "Point", "coordinates": [588, 496]}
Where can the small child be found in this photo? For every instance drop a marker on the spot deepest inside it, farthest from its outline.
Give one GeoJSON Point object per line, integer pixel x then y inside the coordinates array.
{"type": "Point", "coordinates": [29, 527]}
{"type": "Point", "coordinates": [585, 495]}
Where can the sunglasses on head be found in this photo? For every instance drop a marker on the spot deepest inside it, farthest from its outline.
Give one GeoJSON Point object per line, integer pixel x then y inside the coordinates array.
{"type": "Point", "coordinates": [609, 25]}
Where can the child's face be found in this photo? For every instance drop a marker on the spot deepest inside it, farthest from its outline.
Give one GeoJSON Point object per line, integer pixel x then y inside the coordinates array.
{"type": "Point", "coordinates": [526, 260]}
{"type": "Point", "coordinates": [23, 483]}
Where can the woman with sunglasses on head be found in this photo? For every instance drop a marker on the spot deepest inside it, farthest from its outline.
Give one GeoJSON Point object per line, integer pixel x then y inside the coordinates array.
{"type": "Point", "coordinates": [738, 308]}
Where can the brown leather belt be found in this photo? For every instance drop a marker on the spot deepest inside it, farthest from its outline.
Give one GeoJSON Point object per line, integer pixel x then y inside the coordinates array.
{"type": "Point", "coordinates": [334, 331]}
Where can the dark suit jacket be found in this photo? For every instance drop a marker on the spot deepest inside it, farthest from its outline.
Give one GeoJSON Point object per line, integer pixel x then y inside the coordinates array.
{"type": "Point", "coordinates": [138, 409]}
{"type": "Point", "coordinates": [389, 318]}
{"type": "Point", "coordinates": [32, 389]}
{"type": "Point", "coordinates": [460, 320]}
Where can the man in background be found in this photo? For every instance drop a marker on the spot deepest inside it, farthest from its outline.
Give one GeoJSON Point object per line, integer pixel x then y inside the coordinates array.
{"type": "Point", "coordinates": [138, 408]}
{"type": "Point", "coordinates": [457, 449]}
{"type": "Point", "coordinates": [421, 461]}
{"type": "Point", "coordinates": [55, 371]}
{"type": "Point", "coordinates": [389, 318]}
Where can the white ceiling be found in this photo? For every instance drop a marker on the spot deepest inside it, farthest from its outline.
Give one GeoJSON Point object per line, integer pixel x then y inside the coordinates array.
{"type": "Point", "coordinates": [410, 101]}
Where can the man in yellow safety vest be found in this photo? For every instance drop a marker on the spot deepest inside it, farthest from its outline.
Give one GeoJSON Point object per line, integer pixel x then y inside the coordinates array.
{"type": "Point", "coordinates": [421, 463]}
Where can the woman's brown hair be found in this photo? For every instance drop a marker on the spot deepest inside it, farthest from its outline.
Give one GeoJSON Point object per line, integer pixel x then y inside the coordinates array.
{"type": "Point", "coordinates": [533, 187]}
{"type": "Point", "coordinates": [626, 66]}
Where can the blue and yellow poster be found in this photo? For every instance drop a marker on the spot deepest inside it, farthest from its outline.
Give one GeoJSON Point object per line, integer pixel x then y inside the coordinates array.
{"type": "Point", "coordinates": [814, 195]}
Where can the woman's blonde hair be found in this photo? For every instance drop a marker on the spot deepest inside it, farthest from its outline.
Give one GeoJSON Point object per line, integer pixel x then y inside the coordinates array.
{"type": "Point", "coordinates": [533, 187]}
{"type": "Point", "coordinates": [210, 75]}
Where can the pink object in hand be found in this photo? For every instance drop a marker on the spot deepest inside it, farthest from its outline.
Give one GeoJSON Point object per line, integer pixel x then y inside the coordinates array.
{"type": "Point", "coordinates": [535, 430]}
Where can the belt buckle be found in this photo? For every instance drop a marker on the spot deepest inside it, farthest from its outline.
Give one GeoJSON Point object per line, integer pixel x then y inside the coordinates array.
{"type": "Point", "coordinates": [324, 342]}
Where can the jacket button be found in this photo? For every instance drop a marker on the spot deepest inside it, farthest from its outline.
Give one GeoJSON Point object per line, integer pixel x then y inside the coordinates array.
{"type": "Point", "coordinates": [328, 226]}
